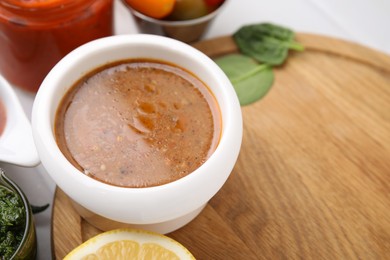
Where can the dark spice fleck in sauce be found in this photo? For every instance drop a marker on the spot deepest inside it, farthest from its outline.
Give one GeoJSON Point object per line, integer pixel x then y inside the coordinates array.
{"type": "Point", "coordinates": [138, 123]}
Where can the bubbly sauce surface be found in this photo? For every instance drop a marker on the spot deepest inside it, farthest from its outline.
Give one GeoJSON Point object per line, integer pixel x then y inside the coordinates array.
{"type": "Point", "coordinates": [139, 123]}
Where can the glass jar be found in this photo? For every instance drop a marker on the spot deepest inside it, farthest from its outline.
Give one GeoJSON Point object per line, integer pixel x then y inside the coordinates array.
{"type": "Point", "coordinates": [36, 34]}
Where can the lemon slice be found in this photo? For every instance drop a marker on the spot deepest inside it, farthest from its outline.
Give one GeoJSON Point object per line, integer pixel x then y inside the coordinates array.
{"type": "Point", "coordinates": [129, 244]}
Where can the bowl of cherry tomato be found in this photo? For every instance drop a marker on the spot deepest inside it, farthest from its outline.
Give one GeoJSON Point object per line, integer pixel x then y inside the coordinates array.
{"type": "Point", "coordinates": [184, 20]}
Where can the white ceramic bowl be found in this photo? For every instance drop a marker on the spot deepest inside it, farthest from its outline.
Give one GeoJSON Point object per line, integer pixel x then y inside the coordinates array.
{"type": "Point", "coordinates": [16, 142]}
{"type": "Point", "coordinates": [162, 208]}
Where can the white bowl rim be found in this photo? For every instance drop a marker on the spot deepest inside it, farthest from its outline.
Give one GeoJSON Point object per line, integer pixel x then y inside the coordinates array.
{"type": "Point", "coordinates": [43, 134]}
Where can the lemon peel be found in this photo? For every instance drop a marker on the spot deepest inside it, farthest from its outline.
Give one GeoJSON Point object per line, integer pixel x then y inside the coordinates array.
{"type": "Point", "coordinates": [129, 244]}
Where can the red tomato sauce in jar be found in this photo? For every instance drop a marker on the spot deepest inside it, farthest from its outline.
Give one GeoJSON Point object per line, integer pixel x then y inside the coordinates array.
{"type": "Point", "coordinates": [36, 34]}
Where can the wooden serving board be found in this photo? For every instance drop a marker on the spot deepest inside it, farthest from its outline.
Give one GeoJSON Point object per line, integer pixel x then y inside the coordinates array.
{"type": "Point", "coordinates": [313, 177]}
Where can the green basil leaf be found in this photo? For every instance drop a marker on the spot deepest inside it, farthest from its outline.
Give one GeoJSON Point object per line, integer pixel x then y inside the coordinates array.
{"type": "Point", "coordinates": [265, 42]}
{"type": "Point", "coordinates": [250, 79]}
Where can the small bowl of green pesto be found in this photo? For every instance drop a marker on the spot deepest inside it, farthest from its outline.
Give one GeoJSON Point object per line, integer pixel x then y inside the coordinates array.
{"type": "Point", "coordinates": [17, 229]}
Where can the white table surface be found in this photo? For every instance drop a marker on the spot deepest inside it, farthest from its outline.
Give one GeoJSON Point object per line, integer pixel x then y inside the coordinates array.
{"type": "Point", "coordinates": [366, 22]}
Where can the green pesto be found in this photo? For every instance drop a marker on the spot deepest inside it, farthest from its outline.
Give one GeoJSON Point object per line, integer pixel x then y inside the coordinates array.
{"type": "Point", "coordinates": [12, 222]}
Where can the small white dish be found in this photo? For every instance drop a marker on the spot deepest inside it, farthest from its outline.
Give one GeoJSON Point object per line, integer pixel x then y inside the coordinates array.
{"type": "Point", "coordinates": [16, 142]}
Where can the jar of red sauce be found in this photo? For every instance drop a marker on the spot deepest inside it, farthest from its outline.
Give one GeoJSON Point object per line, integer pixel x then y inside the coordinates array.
{"type": "Point", "coordinates": [36, 34]}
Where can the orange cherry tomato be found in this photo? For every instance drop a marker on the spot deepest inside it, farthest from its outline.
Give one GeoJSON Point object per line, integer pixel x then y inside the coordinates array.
{"type": "Point", "coordinates": [154, 8]}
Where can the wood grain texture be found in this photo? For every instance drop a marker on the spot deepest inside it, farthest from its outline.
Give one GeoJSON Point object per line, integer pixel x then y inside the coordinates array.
{"type": "Point", "coordinates": [313, 177]}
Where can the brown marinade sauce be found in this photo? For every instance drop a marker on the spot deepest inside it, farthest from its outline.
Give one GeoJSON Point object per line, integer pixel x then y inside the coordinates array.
{"type": "Point", "coordinates": [138, 123]}
{"type": "Point", "coordinates": [3, 117]}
